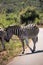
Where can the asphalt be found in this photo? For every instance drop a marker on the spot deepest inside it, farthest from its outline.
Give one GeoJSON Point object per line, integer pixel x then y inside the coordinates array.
{"type": "Point", "coordinates": [29, 58]}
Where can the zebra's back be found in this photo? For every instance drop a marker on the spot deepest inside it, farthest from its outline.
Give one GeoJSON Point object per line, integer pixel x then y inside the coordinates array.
{"type": "Point", "coordinates": [30, 31]}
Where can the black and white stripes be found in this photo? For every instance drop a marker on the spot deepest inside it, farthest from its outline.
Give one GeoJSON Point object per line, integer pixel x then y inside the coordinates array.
{"type": "Point", "coordinates": [22, 31]}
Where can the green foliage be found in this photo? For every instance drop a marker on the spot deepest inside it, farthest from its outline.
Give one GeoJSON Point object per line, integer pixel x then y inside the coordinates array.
{"type": "Point", "coordinates": [29, 14]}
{"type": "Point", "coordinates": [17, 5]}
{"type": "Point", "coordinates": [8, 19]}
{"type": "Point", "coordinates": [9, 11]}
{"type": "Point", "coordinates": [37, 21]}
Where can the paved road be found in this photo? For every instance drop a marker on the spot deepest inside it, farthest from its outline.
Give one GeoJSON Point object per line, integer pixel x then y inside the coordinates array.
{"type": "Point", "coordinates": [29, 58]}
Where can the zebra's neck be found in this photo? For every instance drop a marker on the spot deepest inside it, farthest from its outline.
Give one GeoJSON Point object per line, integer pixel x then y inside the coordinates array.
{"type": "Point", "coordinates": [12, 30]}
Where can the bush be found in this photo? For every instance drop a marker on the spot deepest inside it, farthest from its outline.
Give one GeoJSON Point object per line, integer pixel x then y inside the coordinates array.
{"type": "Point", "coordinates": [29, 15]}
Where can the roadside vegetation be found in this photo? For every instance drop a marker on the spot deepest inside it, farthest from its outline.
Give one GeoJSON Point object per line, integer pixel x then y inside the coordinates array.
{"type": "Point", "coordinates": [13, 48]}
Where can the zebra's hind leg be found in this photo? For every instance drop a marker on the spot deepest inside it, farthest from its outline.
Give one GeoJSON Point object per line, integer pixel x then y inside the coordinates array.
{"type": "Point", "coordinates": [3, 46]}
{"type": "Point", "coordinates": [23, 46]}
{"type": "Point", "coordinates": [34, 42]}
{"type": "Point", "coordinates": [28, 44]}
{"type": "Point", "coordinates": [34, 47]}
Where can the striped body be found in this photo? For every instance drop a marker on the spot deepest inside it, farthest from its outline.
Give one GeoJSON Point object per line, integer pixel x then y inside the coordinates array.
{"type": "Point", "coordinates": [22, 31]}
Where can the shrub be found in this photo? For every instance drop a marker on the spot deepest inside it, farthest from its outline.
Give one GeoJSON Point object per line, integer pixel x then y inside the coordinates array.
{"type": "Point", "coordinates": [29, 15]}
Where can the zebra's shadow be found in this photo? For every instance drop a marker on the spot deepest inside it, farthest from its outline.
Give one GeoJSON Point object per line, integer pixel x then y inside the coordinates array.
{"type": "Point", "coordinates": [39, 51]}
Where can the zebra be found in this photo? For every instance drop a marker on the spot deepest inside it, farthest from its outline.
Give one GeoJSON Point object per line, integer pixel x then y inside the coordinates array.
{"type": "Point", "coordinates": [24, 33]}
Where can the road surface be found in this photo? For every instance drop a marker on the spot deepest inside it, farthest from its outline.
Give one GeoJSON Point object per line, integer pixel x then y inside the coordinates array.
{"type": "Point", "coordinates": [31, 58]}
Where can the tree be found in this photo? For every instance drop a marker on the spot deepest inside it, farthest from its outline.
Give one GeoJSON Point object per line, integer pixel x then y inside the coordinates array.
{"type": "Point", "coordinates": [28, 15]}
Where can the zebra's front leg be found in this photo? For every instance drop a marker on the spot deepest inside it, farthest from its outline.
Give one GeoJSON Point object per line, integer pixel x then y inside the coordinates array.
{"type": "Point", "coordinates": [23, 46]}
{"type": "Point", "coordinates": [3, 46]}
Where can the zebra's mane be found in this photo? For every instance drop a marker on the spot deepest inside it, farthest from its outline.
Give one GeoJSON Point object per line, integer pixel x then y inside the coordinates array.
{"type": "Point", "coordinates": [12, 27]}
{"type": "Point", "coordinates": [29, 26]}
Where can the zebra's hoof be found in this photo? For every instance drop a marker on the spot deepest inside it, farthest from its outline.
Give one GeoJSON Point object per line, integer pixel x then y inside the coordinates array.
{"type": "Point", "coordinates": [33, 51]}
{"type": "Point", "coordinates": [22, 52]}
